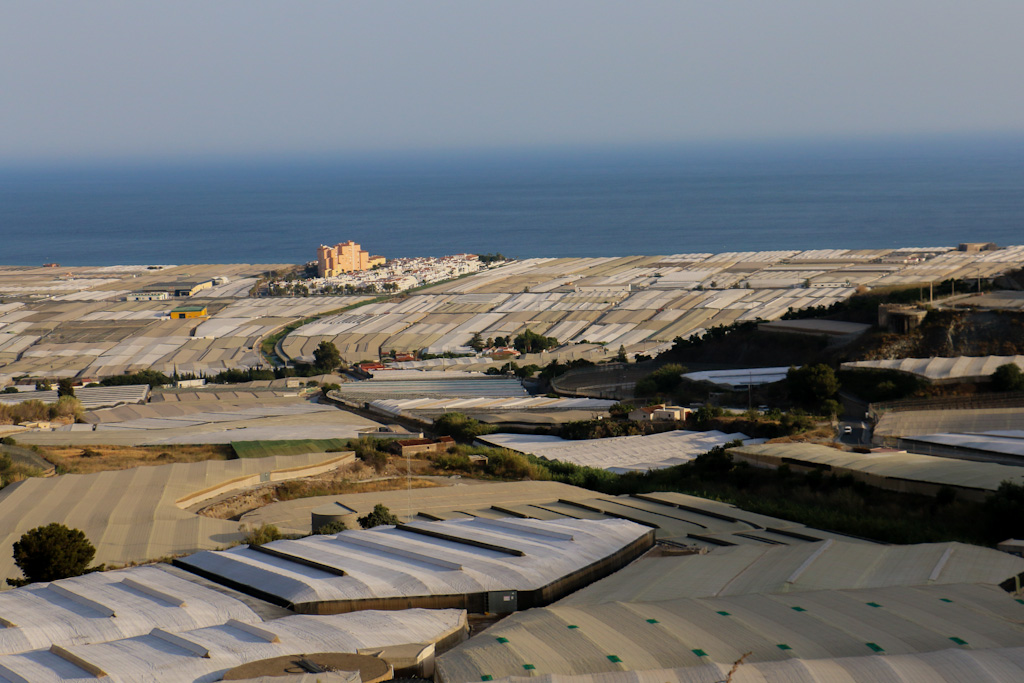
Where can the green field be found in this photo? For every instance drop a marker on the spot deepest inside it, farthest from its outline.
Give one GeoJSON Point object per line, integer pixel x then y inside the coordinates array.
{"type": "Point", "coordinates": [265, 449]}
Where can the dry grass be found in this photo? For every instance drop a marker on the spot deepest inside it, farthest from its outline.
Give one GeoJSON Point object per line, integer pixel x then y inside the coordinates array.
{"type": "Point", "coordinates": [824, 435]}
{"type": "Point", "coordinates": [79, 459]}
{"type": "Point", "coordinates": [322, 485]}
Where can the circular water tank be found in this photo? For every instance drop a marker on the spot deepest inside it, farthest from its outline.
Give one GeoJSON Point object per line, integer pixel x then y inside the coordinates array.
{"type": "Point", "coordinates": [333, 512]}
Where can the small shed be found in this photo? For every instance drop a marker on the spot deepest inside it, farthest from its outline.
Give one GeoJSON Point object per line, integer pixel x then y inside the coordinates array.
{"type": "Point", "coordinates": [183, 312]}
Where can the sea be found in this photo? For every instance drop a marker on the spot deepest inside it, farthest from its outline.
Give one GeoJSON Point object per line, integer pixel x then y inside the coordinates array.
{"type": "Point", "coordinates": [577, 202]}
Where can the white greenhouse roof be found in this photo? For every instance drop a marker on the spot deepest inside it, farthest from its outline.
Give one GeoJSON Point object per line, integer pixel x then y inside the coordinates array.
{"type": "Point", "coordinates": [812, 625]}
{"type": "Point", "coordinates": [105, 606]}
{"type": "Point", "coordinates": [419, 559]}
{"type": "Point", "coordinates": [490, 404]}
{"type": "Point", "coordinates": [955, 665]}
{"type": "Point", "coordinates": [909, 466]}
{"type": "Point", "coordinates": [960, 367]}
{"type": "Point", "coordinates": [623, 453]}
{"type": "Point", "coordinates": [742, 377]}
{"type": "Point", "coordinates": [674, 516]}
{"type": "Point", "coordinates": [1007, 442]}
{"type": "Point", "coordinates": [90, 397]}
{"type": "Point", "coordinates": [498, 387]}
{"type": "Point", "coordinates": [829, 565]}
{"type": "Point", "coordinates": [206, 654]}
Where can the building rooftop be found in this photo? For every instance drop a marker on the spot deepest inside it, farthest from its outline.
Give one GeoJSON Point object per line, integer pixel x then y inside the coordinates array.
{"type": "Point", "coordinates": [82, 609]}
{"type": "Point", "coordinates": [676, 517]}
{"type": "Point", "coordinates": [419, 559]}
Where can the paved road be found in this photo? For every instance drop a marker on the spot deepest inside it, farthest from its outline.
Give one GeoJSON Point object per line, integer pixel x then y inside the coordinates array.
{"type": "Point", "coordinates": [859, 435]}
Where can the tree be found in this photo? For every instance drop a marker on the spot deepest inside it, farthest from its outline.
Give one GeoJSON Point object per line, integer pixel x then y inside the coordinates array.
{"type": "Point", "coordinates": [51, 552]}
{"type": "Point", "coordinates": [64, 388]}
{"type": "Point", "coordinates": [43, 385]}
{"type": "Point", "coordinates": [662, 381]}
{"type": "Point", "coordinates": [621, 355]}
{"type": "Point", "coordinates": [326, 356]}
{"type": "Point", "coordinates": [477, 342]}
{"type": "Point", "coordinates": [1008, 377]}
{"type": "Point", "coordinates": [529, 341]}
{"type": "Point", "coordinates": [812, 385]}
{"type": "Point", "coordinates": [1004, 512]}
{"type": "Point", "coordinates": [380, 516]}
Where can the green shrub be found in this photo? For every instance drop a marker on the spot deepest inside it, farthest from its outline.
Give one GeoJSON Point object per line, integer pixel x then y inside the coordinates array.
{"type": "Point", "coordinates": [335, 527]}
{"type": "Point", "coordinates": [461, 427]}
{"type": "Point", "coordinates": [380, 516]}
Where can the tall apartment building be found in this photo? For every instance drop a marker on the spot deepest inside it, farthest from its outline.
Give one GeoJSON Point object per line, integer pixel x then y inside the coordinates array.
{"type": "Point", "coordinates": [341, 258]}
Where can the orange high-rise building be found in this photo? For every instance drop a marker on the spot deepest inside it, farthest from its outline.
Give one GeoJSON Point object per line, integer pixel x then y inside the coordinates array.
{"type": "Point", "coordinates": [341, 258]}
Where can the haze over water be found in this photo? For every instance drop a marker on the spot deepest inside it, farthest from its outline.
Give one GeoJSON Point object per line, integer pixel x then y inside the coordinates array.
{"type": "Point", "coordinates": [553, 203]}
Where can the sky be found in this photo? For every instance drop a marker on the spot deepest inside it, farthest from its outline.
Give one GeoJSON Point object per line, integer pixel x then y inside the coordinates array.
{"type": "Point", "coordinates": [186, 79]}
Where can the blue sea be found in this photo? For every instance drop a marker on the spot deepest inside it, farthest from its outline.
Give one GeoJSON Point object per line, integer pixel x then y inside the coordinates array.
{"type": "Point", "coordinates": [570, 202]}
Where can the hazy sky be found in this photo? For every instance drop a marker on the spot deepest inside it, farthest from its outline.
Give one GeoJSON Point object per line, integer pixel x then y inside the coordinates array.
{"type": "Point", "coordinates": [181, 78]}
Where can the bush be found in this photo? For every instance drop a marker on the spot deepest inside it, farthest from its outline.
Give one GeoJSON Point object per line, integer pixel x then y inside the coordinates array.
{"type": "Point", "coordinates": [452, 462]}
{"type": "Point", "coordinates": [505, 464]}
{"type": "Point", "coordinates": [460, 427]}
{"type": "Point", "coordinates": [335, 527]}
{"type": "Point", "coordinates": [371, 452]}
{"type": "Point", "coordinates": [380, 516]}
{"type": "Point", "coordinates": [67, 407]}
{"type": "Point", "coordinates": [264, 533]}
{"type": "Point", "coordinates": [52, 552]}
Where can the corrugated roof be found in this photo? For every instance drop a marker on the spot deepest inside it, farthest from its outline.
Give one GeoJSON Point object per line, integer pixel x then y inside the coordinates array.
{"type": "Point", "coordinates": [419, 559]}
{"type": "Point", "coordinates": [105, 606]}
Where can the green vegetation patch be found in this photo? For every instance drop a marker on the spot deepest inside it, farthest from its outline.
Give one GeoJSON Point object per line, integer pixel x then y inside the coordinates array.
{"type": "Point", "coordinates": [266, 449]}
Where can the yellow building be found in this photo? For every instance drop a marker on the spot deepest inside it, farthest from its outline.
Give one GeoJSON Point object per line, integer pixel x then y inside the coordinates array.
{"type": "Point", "coordinates": [182, 312]}
{"type": "Point", "coordinates": [346, 257]}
